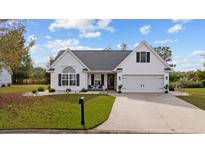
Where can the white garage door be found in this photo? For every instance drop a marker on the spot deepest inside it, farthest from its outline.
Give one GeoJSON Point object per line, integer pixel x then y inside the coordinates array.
{"type": "Point", "coordinates": [143, 84]}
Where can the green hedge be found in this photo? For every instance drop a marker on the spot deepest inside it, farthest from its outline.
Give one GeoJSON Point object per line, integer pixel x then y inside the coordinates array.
{"type": "Point", "coordinates": [203, 83]}
{"type": "Point", "coordinates": [186, 84]}
{"type": "Point", "coordinates": [172, 85]}
{"type": "Point", "coordinates": [41, 89]}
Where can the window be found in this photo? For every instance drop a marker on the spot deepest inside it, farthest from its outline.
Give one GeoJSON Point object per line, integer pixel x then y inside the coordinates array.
{"type": "Point", "coordinates": [143, 57]}
{"type": "Point", "coordinates": [69, 79]}
{"type": "Point", "coordinates": [97, 79]}
{"type": "Point", "coordinates": [72, 79]}
{"type": "Point", "coordinates": [64, 79]}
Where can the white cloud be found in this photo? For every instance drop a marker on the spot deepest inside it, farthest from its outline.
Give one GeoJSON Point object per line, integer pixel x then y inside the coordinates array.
{"type": "Point", "coordinates": [61, 44]}
{"type": "Point", "coordinates": [32, 37]}
{"type": "Point", "coordinates": [183, 21]}
{"type": "Point", "coordinates": [145, 29]}
{"type": "Point", "coordinates": [87, 28]}
{"type": "Point", "coordinates": [85, 48]}
{"type": "Point", "coordinates": [198, 53]}
{"type": "Point", "coordinates": [189, 62]}
{"type": "Point", "coordinates": [35, 49]}
{"type": "Point", "coordinates": [74, 44]}
{"type": "Point", "coordinates": [48, 37]}
{"type": "Point", "coordinates": [40, 63]}
{"type": "Point", "coordinates": [119, 46]}
{"type": "Point", "coordinates": [136, 44]}
{"type": "Point", "coordinates": [176, 28]}
{"type": "Point", "coordinates": [90, 34]}
{"type": "Point", "coordinates": [70, 24]}
{"type": "Point", "coordinates": [104, 24]}
{"type": "Point", "coordinates": [164, 41]}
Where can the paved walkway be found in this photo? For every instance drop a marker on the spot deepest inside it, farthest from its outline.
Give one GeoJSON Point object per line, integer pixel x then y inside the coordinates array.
{"type": "Point", "coordinates": [179, 93]}
{"type": "Point", "coordinates": [153, 113]}
{"type": "Point", "coordinates": [46, 93]}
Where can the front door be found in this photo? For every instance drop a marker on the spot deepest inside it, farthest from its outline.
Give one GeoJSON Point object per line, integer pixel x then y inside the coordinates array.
{"type": "Point", "coordinates": [110, 81]}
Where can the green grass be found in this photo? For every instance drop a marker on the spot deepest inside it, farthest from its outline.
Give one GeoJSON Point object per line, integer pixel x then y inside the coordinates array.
{"type": "Point", "coordinates": [56, 111]}
{"type": "Point", "coordinates": [197, 97]}
{"type": "Point", "coordinates": [20, 88]}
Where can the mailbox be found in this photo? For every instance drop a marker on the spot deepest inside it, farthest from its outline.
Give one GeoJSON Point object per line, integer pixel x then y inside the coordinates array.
{"type": "Point", "coordinates": [81, 102]}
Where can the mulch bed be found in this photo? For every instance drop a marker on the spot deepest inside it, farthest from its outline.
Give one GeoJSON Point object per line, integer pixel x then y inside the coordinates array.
{"type": "Point", "coordinates": [6, 99]}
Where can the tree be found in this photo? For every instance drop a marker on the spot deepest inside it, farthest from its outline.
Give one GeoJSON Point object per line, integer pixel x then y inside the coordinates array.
{"type": "Point", "coordinates": [24, 71]}
{"type": "Point", "coordinates": [12, 42]}
{"type": "Point", "coordinates": [109, 47]}
{"type": "Point", "coordinates": [199, 75]}
{"type": "Point", "coordinates": [49, 63]}
{"type": "Point", "coordinates": [165, 53]}
{"type": "Point", "coordinates": [39, 73]}
{"type": "Point", "coordinates": [13, 50]}
{"type": "Point", "coordinates": [51, 59]}
{"type": "Point", "coordinates": [123, 46]}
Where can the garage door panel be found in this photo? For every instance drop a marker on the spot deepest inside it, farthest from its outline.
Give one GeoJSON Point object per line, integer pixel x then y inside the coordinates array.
{"type": "Point", "coordinates": [139, 83]}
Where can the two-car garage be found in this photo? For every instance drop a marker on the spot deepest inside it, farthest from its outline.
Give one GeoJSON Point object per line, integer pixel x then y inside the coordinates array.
{"type": "Point", "coordinates": [143, 83]}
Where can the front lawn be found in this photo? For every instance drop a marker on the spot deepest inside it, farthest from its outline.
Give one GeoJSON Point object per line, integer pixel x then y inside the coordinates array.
{"type": "Point", "coordinates": [20, 88]}
{"type": "Point", "coordinates": [56, 111]}
{"type": "Point", "coordinates": [197, 97]}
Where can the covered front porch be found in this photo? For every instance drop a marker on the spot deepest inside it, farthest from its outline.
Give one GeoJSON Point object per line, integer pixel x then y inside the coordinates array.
{"type": "Point", "coordinates": [100, 81]}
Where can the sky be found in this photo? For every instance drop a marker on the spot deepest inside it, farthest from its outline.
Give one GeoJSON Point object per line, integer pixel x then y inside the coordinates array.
{"type": "Point", "coordinates": [185, 37]}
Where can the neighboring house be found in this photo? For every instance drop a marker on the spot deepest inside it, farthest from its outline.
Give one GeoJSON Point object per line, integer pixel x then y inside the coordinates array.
{"type": "Point", "coordinates": [139, 70]}
{"type": "Point", "coordinates": [5, 75]}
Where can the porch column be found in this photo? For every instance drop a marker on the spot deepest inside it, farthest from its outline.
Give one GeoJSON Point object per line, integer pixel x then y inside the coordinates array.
{"type": "Point", "coordinates": [105, 80]}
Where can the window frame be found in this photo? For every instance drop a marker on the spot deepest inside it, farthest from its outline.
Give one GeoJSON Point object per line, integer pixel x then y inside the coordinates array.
{"type": "Point", "coordinates": [66, 79]}
{"type": "Point", "coordinates": [143, 53]}
{"type": "Point", "coordinates": [97, 79]}
{"type": "Point", "coordinates": [75, 79]}
{"type": "Point", "coordinates": [140, 58]}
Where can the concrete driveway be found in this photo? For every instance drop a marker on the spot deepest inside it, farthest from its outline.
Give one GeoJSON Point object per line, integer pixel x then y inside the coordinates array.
{"type": "Point", "coordinates": [153, 113]}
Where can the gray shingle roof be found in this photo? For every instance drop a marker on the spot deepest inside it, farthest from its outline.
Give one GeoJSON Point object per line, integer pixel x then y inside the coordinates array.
{"type": "Point", "coordinates": [100, 59]}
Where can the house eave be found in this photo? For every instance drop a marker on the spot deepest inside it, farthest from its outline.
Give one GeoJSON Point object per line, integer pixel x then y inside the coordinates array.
{"type": "Point", "coordinates": [50, 70]}
{"type": "Point", "coordinates": [101, 71]}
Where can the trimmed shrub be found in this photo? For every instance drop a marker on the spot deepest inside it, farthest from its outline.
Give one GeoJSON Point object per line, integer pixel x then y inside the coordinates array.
{"type": "Point", "coordinates": [84, 90]}
{"type": "Point", "coordinates": [3, 85]}
{"type": "Point", "coordinates": [41, 89]}
{"type": "Point", "coordinates": [52, 90]}
{"type": "Point", "coordinates": [49, 87]}
{"type": "Point", "coordinates": [9, 84]}
{"type": "Point", "coordinates": [68, 90]}
{"type": "Point", "coordinates": [203, 83]}
{"type": "Point", "coordinates": [172, 85]}
{"type": "Point", "coordinates": [34, 91]}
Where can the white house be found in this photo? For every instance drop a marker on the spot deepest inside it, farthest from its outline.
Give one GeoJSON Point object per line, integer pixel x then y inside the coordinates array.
{"type": "Point", "coordinates": [141, 70]}
{"type": "Point", "coordinates": [5, 75]}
